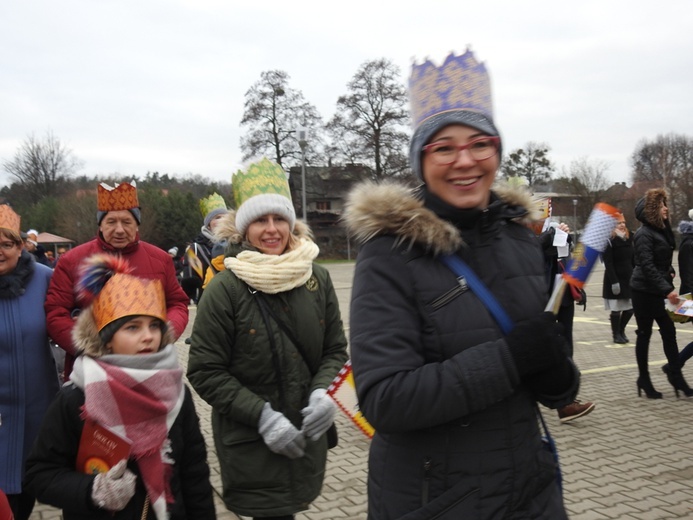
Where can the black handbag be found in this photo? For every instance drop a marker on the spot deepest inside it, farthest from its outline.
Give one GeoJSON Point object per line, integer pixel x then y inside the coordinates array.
{"type": "Point", "coordinates": [331, 434]}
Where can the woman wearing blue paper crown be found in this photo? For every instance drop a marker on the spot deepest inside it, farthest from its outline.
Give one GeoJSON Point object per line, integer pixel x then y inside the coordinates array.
{"type": "Point", "coordinates": [452, 397]}
{"type": "Point", "coordinates": [267, 342]}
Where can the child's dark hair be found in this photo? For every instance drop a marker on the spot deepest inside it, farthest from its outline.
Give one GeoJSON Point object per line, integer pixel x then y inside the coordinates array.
{"type": "Point", "coordinates": [106, 334]}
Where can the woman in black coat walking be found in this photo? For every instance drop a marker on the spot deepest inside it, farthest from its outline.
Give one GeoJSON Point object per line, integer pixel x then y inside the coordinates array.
{"type": "Point", "coordinates": [653, 281]}
{"type": "Point", "coordinates": [618, 268]}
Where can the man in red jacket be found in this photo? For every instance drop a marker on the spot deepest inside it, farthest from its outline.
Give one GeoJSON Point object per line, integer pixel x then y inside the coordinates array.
{"type": "Point", "coordinates": [118, 216]}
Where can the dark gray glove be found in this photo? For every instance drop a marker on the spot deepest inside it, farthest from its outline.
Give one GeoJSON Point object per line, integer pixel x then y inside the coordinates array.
{"type": "Point", "coordinates": [537, 344]}
{"type": "Point", "coordinates": [279, 434]}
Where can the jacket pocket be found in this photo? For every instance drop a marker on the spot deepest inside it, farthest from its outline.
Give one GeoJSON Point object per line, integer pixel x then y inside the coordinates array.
{"type": "Point", "coordinates": [457, 503]}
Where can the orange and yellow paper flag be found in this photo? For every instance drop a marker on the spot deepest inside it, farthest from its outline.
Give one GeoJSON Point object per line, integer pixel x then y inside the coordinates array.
{"type": "Point", "coordinates": [343, 391]}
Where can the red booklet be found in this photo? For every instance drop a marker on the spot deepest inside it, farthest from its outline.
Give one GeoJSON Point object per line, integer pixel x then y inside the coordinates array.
{"type": "Point", "coordinates": [100, 448]}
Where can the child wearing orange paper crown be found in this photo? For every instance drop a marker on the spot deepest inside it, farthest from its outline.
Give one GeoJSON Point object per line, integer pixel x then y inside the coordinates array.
{"type": "Point", "coordinates": [126, 380]}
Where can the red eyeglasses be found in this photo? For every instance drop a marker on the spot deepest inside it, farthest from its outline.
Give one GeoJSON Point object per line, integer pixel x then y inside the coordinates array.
{"type": "Point", "coordinates": [445, 153]}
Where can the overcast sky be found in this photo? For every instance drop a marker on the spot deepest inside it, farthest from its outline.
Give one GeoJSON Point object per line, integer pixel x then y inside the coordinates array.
{"type": "Point", "coordinates": [132, 86]}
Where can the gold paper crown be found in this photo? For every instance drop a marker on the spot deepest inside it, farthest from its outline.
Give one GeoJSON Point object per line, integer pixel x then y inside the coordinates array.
{"type": "Point", "coordinates": [264, 177]}
{"type": "Point", "coordinates": [9, 219]}
{"type": "Point", "coordinates": [214, 201]}
{"type": "Point", "coordinates": [121, 196]}
{"type": "Point", "coordinates": [128, 295]}
{"type": "Point", "coordinates": [461, 83]}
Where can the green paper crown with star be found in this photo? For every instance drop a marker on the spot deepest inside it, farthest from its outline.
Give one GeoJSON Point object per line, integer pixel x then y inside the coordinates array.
{"type": "Point", "coordinates": [264, 177]}
{"type": "Point", "coordinates": [209, 204]}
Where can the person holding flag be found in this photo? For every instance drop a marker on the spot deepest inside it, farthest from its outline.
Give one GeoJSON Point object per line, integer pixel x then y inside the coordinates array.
{"type": "Point", "coordinates": [451, 347]}
{"type": "Point", "coordinates": [199, 254]}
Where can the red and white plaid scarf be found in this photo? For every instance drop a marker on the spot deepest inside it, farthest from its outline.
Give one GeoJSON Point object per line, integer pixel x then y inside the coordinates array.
{"type": "Point", "coordinates": [139, 397]}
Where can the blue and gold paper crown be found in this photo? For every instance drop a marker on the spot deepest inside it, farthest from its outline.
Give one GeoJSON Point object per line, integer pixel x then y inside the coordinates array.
{"type": "Point", "coordinates": [461, 83]}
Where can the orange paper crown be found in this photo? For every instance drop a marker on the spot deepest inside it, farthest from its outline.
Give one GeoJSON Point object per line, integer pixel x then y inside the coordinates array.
{"type": "Point", "coordinates": [122, 196]}
{"type": "Point", "coordinates": [9, 219]}
{"type": "Point", "coordinates": [128, 295]}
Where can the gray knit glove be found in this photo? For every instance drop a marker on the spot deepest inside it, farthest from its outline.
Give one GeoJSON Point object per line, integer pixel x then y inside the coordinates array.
{"type": "Point", "coordinates": [279, 434]}
{"type": "Point", "coordinates": [318, 416]}
{"type": "Point", "coordinates": [114, 489]}
{"type": "Point", "coordinates": [616, 288]}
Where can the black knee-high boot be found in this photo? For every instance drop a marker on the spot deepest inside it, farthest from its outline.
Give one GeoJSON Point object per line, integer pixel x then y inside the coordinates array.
{"type": "Point", "coordinates": [625, 318]}
{"type": "Point", "coordinates": [673, 368]}
{"type": "Point", "coordinates": [642, 346]}
{"type": "Point", "coordinates": [615, 319]}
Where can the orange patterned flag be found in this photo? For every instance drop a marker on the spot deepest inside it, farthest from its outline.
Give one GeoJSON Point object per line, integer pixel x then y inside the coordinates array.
{"type": "Point", "coordinates": [343, 391]}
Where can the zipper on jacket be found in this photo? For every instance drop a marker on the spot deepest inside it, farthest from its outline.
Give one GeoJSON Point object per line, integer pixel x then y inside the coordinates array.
{"type": "Point", "coordinates": [426, 484]}
{"type": "Point", "coordinates": [450, 295]}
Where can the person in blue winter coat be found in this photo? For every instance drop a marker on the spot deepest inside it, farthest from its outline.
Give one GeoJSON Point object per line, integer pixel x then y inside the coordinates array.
{"type": "Point", "coordinates": [28, 376]}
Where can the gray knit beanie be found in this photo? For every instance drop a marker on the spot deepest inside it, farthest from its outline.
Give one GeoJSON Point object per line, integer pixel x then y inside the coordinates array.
{"type": "Point", "coordinates": [434, 124]}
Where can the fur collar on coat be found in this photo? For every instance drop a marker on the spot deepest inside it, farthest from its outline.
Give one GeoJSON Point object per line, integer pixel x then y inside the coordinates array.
{"type": "Point", "coordinates": [390, 208]}
{"type": "Point", "coordinates": [13, 284]}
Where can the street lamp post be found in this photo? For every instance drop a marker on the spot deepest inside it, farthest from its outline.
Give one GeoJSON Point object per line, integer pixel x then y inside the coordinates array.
{"type": "Point", "coordinates": [575, 221]}
{"type": "Point", "coordinates": [302, 136]}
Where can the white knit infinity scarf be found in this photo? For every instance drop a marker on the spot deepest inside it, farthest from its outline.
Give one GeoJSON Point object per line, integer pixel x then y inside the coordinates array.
{"type": "Point", "coordinates": [272, 274]}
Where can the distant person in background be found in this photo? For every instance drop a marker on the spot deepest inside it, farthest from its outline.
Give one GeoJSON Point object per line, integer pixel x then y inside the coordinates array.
{"type": "Point", "coordinates": [652, 282]}
{"type": "Point", "coordinates": [118, 217]}
{"type": "Point", "coordinates": [686, 275]}
{"type": "Point", "coordinates": [618, 268]}
{"type": "Point", "coordinates": [555, 259]}
{"type": "Point", "coordinates": [198, 255]}
{"type": "Point", "coordinates": [31, 244]}
{"type": "Point", "coordinates": [50, 258]}
{"type": "Point", "coordinates": [28, 377]}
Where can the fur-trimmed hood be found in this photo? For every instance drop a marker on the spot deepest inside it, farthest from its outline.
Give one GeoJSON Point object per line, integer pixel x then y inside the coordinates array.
{"type": "Point", "coordinates": [390, 208]}
{"type": "Point", "coordinates": [86, 337]}
{"type": "Point", "coordinates": [227, 232]}
{"type": "Point", "coordinates": [647, 209]}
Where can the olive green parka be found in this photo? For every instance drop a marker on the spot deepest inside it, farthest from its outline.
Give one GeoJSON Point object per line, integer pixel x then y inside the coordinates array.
{"type": "Point", "coordinates": [235, 367]}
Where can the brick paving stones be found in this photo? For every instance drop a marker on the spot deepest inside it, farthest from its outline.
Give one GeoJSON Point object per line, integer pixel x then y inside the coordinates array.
{"type": "Point", "coordinates": [630, 459]}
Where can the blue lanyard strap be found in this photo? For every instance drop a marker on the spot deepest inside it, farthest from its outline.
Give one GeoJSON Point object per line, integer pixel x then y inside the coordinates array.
{"type": "Point", "coordinates": [462, 270]}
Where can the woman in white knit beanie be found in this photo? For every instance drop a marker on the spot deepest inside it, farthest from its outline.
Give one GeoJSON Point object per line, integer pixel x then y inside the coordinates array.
{"type": "Point", "coordinates": [267, 342]}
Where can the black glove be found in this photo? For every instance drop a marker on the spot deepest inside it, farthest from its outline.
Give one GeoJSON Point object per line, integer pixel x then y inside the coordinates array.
{"type": "Point", "coordinates": [537, 344]}
{"type": "Point", "coordinates": [552, 381]}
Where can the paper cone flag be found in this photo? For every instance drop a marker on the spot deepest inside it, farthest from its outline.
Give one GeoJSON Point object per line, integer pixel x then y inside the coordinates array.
{"type": "Point", "coordinates": [593, 242]}
{"type": "Point", "coordinates": [343, 391]}
{"type": "Point", "coordinates": [194, 262]}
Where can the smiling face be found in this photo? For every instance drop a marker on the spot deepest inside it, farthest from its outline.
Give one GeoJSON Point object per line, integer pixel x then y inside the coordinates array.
{"type": "Point", "coordinates": [139, 335]}
{"type": "Point", "coordinates": [269, 234]}
{"type": "Point", "coordinates": [466, 182]}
